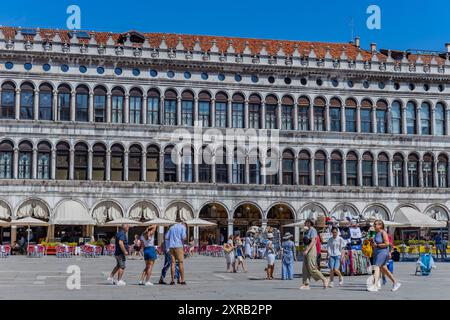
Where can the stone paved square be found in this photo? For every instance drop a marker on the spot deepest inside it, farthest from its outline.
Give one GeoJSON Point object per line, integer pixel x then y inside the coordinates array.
{"type": "Point", "coordinates": [45, 278]}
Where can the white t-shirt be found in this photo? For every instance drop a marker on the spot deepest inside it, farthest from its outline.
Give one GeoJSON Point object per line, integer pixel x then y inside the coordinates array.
{"type": "Point", "coordinates": [335, 246]}
{"type": "Point", "coordinates": [150, 242]}
{"type": "Point", "coordinates": [355, 233]}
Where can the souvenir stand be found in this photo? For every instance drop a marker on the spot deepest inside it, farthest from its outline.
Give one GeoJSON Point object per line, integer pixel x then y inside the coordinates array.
{"type": "Point", "coordinates": [355, 262]}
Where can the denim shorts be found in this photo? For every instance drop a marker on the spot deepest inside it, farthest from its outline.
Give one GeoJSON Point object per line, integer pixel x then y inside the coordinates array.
{"type": "Point", "coordinates": [150, 253]}
{"type": "Point", "coordinates": [120, 261]}
{"type": "Point", "coordinates": [335, 262]}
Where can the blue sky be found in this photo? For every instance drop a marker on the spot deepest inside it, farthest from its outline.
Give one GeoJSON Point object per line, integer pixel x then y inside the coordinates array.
{"type": "Point", "coordinates": [405, 24]}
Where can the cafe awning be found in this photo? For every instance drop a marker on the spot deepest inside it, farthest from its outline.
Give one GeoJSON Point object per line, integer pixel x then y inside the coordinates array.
{"type": "Point", "coordinates": [410, 217]}
{"type": "Point", "coordinates": [72, 213]}
{"type": "Point", "coordinates": [29, 222]}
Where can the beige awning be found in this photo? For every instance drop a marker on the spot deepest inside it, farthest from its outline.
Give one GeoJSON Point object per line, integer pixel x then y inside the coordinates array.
{"type": "Point", "coordinates": [159, 222]}
{"type": "Point", "coordinates": [122, 221]}
{"type": "Point", "coordinates": [410, 217]}
{"type": "Point", "coordinates": [29, 222]}
{"type": "Point", "coordinates": [4, 224]}
{"type": "Point", "coordinates": [197, 222]}
{"type": "Point", "coordinates": [72, 213]}
{"type": "Point", "coordinates": [296, 224]}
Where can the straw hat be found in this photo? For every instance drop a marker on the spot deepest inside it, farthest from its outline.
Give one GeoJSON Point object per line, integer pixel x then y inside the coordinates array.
{"type": "Point", "coordinates": [287, 236]}
{"type": "Point", "coordinates": [270, 235]}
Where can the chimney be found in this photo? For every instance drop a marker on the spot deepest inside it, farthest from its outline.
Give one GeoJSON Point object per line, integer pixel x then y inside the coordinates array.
{"type": "Point", "coordinates": [373, 47]}
{"type": "Point", "coordinates": [357, 42]}
{"type": "Point", "coordinates": [447, 46]}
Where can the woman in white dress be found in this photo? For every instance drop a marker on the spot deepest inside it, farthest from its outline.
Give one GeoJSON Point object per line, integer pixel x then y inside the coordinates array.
{"type": "Point", "coordinates": [229, 255]}
{"type": "Point", "coordinates": [270, 257]}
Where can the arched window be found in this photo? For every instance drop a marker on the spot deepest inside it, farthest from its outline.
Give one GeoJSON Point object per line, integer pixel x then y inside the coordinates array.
{"type": "Point", "coordinates": [411, 122]}
{"type": "Point", "coordinates": [117, 163]}
{"type": "Point", "coordinates": [397, 167]}
{"type": "Point", "coordinates": [99, 162]}
{"type": "Point", "coordinates": [304, 168]}
{"type": "Point", "coordinates": [287, 113]}
{"type": "Point", "coordinates": [152, 164]}
{"type": "Point", "coordinates": [319, 114]}
{"type": "Point", "coordinates": [82, 104]}
{"type": "Point", "coordinates": [383, 170]}
{"type": "Point", "coordinates": [427, 171]}
{"type": "Point", "coordinates": [237, 111]}
{"type": "Point", "coordinates": [170, 167]}
{"type": "Point", "coordinates": [221, 166]}
{"type": "Point", "coordinates": [187, 164]}
{"type": "Point", "coordinates": [100, 104]}
{"type": "Point", "coordinates": [271, 112]}
{"type": "Point", "coordinates": [45, 102]}
{"type": "Point", "coordinates": [254, 112]}
{"type": "Point", "coordinates": [135, 106]}
{"type": "Point", "coordinates": [255, 167]}
{"type": "Point", "coordinates": [288, 167]}
{"type": "Point", "coordinates": [413, 173]}
{"type": "Point", "coordinates": [367, 169]}
{"type": "Point", "coordinates": [44, 161]}
{"type": "Point", "coordinates": [25, 160]}
{"type": "Point", "coordinates": [350, 115]}
{"type": "Point", "coordinates": [442, 168]}
{"type": "Point", "coordinates": [440, 118]}
{"type": "Point", "coordinates": [170, 108]}
{"type": "Point", "coordinates": [6, 160]}
{"type": "Point", "coordinates": [64, 102]}
{"type": "Point", "coordinates": [187, 108]}
{"type": "Point", "coordinates": [303, 113]}
{"type": "Point", "coordinates": [396, 118]}
{"type": "Point", "coordinates": [381, 114]}
{"type": "Point", "coordinates": [319, 168]}
{"type": "Point", "coordinates": [352, 169]}
{"type": "Point", "coordinates": [62, 161]}
{"type": "Point", "coordinates": [205, 166]}
{"type": "Point", "coordinates": [336, 169]}
{"type": "Point", "coordinates": [134, 163]}
{"type": "Point", "coordinates": [153, 103]}
{"type": "Point", "coordinates": [366, 116]}
{"type": "Point", "coordinates": [272, 167]}
{"type": "Point", "coordinates": [117, 102]}
{"type": "Point", "coordinates": [238, 167]}
{"type": "Point", "coordinates": [26, 101]}
{"type": "Point", "coordinates": [221, 110]}
{"type": "Point", "coordinates": [204, 109]}
{"type": "Point", "coordinates": [425, 118]}
{"type": "Point", "coordinates": [8, 100]}
{"type": "Point", "coordinates": [81, 161]}
{"type": "Point", "coordinates": [335, 114]}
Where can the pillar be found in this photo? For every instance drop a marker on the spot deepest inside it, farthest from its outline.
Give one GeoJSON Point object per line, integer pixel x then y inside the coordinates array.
{"type": "Point", "coordinates": [179, 122]}
{"type": "Point", "coordinates": [55, 105]}
{"type": "Point", "coordinates": [247, 169]}
{"type": "Point", "coordinates": [91, 107]}
{"type": "Point", "coordinates": [36, 105]}
{"type": "Point", "coordinates": [328, 172]}
{"type": "Point", "coordinates": [344, 171]}
{"type": "Point", "coordinates": [230, 227]}
{"type": "Point", "coordinates": [280, 170]}
{"type": "Point", "coordinates": [358, 119]}
{"type": "Point", "coordinates": [360, 173]}
{"type": "Point", "coordinates": [311, 118]}
{"type": "Point", "coordinates": [295, 117]}
{"type": "Point", "coordinates": [418, 120]}
{"type": "Point", "coordinates": [279, 115]}
{"type": "Point", "coordinates": [263, 115]}
{"type": "Point", "coordinates": [16, 164]}
{"type": "Point", "coordinates": [263, 170]}
{"type": "Point", "coordinates": [246, 115]}
{"type": "Point", "coordinates": [312, 174]}
{"type": "Point", "coordinates": [144, 109]}
{"type": "Point", "coordinates": [195, 116]}
{"type": "Point", "coordinates": [126, 109]}
{"type": "Point", "coordinates": [229, 114]}
{"type": "Point", "coordinates": [161, 166]}
{"type": "Point", "coordinates": [73, 106]}
{"type": "Point", "coordinates": [72, 164]}
{"type": "Point", "coordinates": [433, 115]}
{"type": "Point", "coordinates": [420, 173]}
{"type": "Point", "coordinates": [108, 165]}
{"type": "Point", "coordinates": [196, 236]}
{"type": "Point", "coordinates": [53, 165]}
{"type": "Point", "coordinates": [375, 172]}
{"type": "Point", "coordinates": [213, 113]}
{"type": "Point", "coordinates": [296, 171]}
{"type": "Point", "coordinates": [230, 168]}
{"type": "Point", "coordinates": [374, 120]}
{"type": "Point", "coordinates": [144, 166]}
{"type": "Point", "coordinates": [389, 120]}
{"type": "Point", "coordinates": [435, 174]}
{"type": "Point", "coordinates": [264, 223]}
{"type": "Point", "coordinates": [17, 104]}
{"type": "Point", "coordinates": [404, 125]}
{"type": "Point", "coordinates": [34, 164]}
{"type": "Point", "coordinates": [391, 174]}
{"type": "Point", "coordinates": [197, 158]}
{"type": "Point", "coordinates": [343, 124]}
{"type": "Point", "coordinates": [108, 108]}
{"type": "Point", "coordinates": [327, 117]}
{"type": "Point", "coordinates": [90, 157]}
{"type": "Point", "coordinates": [125, 165]}
{"type": "Point", "coordinates": [297, 236]}
{"type": "Point", "coordinates": [405, 172]}
{"type": "Point", "coordinates": [161, 111]}
{"type": "Point", "coordinates": [447, 123]}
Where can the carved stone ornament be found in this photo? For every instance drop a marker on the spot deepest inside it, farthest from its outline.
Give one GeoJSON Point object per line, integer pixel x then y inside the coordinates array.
{"type": "Point", "coordinates": [47, 46]}
{"type": "Point", "coordinates": [119, 51]}
{"type": "Point", "coordinates": [137, 52]}
{"type": "Point", "coordinates": [222, 57]}
{"type": "Point", "coordinates": [382, 66]}
{"type": "Point", "coordinates": [101, 49]}
{"type": "Point", "coordinates": [65, 48]}
{"type": "Point", "coordinates": [154, 53]}
{"type": "Point", "coordinates": [397, 67]}
{"type": "Point", "coordinates": [272, 60]}
{"type": "Point", "coordinates": [367, 65]}
{"type": "Point", "coordinates": [288, 61]}
{"type": "Point", "coordinates": [9, 44]}
{"type": "Point", "coordinates": [255, 59]}
{"type": "Point", "coordinates": [239, 58]}
{"type": "Point", "coordinates": [320, 62]}
{"type": "Point", "coordinates": [336, 63]}
{"type": "Point", "coordinates": [28, 45]}
{"type": "Point", "coordinates": [304, 61]}
{"type": "Point", "coordinates": [205, 56]}
{"type": "Point", "coordinates": [83, 48]}
{"type": "Point", "coordinates": [412, 68]}
{"type": "Point", "coordinates": [189, 55]}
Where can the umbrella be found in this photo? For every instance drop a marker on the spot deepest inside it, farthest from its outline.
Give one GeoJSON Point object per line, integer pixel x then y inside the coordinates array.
{"type": "Point", "coordinates": [29, 222]}
{"type": "Point", "coordinates": [4, 224]}
{"type": "Point", "coordinates": [197, 222]}
{"type": "Point", "coordinates": [410, 217]}
{"type": "Point", "coordinates": [296, 224]}
{"type": "Point", "coordinates": [121, 221]}
{"type": "Point", "coordinates": [159, 222]}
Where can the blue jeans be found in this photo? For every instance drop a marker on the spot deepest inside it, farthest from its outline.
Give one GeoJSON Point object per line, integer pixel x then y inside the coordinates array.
{"type": "Point", "coordinates": [168, 264]}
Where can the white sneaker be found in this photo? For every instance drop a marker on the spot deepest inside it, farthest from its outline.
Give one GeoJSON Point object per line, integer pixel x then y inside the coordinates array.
{"type": "Point", "coordinates": [141, 283]}
{"type": "Point", "coordinates": [372, 289]}
{"type": "Point", "coordinates": [379, 285]}
{"type": "Point", "coordinates": [148, 284]}
{"type": "Point", "coordinates": [396, 286]}
{"type": "Point", "coordinates": [121, 283]}
{"type": "Point", "coordinates": [330, 285]}
{"type": "Point", "coordinates": [341, 281]}
{"type": "Point", "coordinates": [111, 280]}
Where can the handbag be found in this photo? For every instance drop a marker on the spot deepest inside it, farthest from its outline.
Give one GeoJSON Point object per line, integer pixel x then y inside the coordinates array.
{"type": "Point", "coordinates": [306, 241]}
{"type": "Point", "coordinates": [227, 248]}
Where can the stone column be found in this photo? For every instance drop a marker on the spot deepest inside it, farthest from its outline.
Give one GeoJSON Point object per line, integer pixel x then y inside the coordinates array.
{"type": "Point", "coordinates": [312, 173]}
{"type": "Point", "coordinates": [125, 165]}
{"type": "Point", "coordinates": [161, 166]}
{"type": "Point", "coordinates": [179, 120]}
{"type": "Point", "coordinates": [418, 120]}
{"type": "Point", "coordinates": [389, 120]}
{"type": "Point", "coordinates": [295, 124]}
{"type": "Point", "coordinates": [375, 172]}
{"type": "Point", "coordinates": [344, 171]}
{"type": "Point", "coordinates": [374, 120]}
{"type": "Point", "coordinates": [405, 173]}
{"type": "Point", "coordinates": [213, 113]}
{"type": "Point", "coordinates": [55, 105]}
{"type": "Point", "coordinates": [213, 168]}
{"type": "Point", "coordinates": [179, 166]}
{"type": "Point", "coordinates": [433, 116]}
{"type": "Point", "coordinates": [34, 164]}
{"type": "Point", "coordinates": [404, 124]}
{"type": "Point", "coordinates": [297, 236]}
{"type": "Point", "coordinates": [327, 117]}
{"type": "Point", "coordinates": [108, 165]}
{"type": "Point", "coordinates": [91, 107]}
{"type": "Point", "coordinates": [229, 114]}
{"type": "Point", "coordinates": [72, 164]}
{"type": "Point", "coordinates": [126, 109]}
{"type": "Point", "coordinates": [247, 169]}
{"type": "Point", "coordinates": [17, 105]}
{"type": "Point", "coordinates": [230, 168]}
{"type": "Point", "coordinates": [197, 157]}
{"type": "Point", "coordinates": [36, 105]}
{"type": "Point", "coordinates": [144, 109]}
{"type": "Point", "coordinates": [246, 115]}
{"type": "Point", "coordinates": [263, 115]}
{"type": "Point", "coordinates": [230, 227]}
{"type": "Point", "coordinates": [358, 119]}
{"type": "Point", "coordinates": [108, 108]}
{"type": "Point", "coordinates": [391, 174]}
{"type": "Point", "coordinates": [16, 164]}
{"type": "Point", "coordinates": [280, 170]}
{"type": "Point", "coordinates": [144, 166]}
{"type": "Point", "coordinates": [447, 123]}
{"type": "Point", "coordinates": [435, 174]}
{"type": "Point", "coordinates": [328, 172]}
{"type": "Point", "coordinates": [263, 223]}
{"type": "Point", "coordinates": [311, 118]}
{"type": "Point", "coordinates": [53, 165]}
{"type": "Point", "coordinates": [263, 170]}
{"type": "Point", "coordinates": [360, 173]}
{"type": "Point", "coordinates": [343, 118]}
{"type": "Point", "coordinates": [279, 115]}
{"type": "Point", "coordinates": [73, 106]}
{"type": "Point", "coordinates": [420, 173]}
{"type": "Point", "coordinates": [195, 115]}
{"type": "Point", "coordinates": [161, 111]}
{"type": "Point", "coordinates": [296, 171]}
{"type": "Point", "coordinates": [90, 158]}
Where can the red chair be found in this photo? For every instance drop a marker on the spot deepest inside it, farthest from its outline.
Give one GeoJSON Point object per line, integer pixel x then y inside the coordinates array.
{"type": "Point", "coordinates": [40, 250]}
{"type": "Point", "coordinates": [31, 250]}
{"type": "Point", "coordinates": [71, 250]}
{"type": "Point", "coordinates": [98, 251]}
{"type": "Point", "coordinates": [7, 249]}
